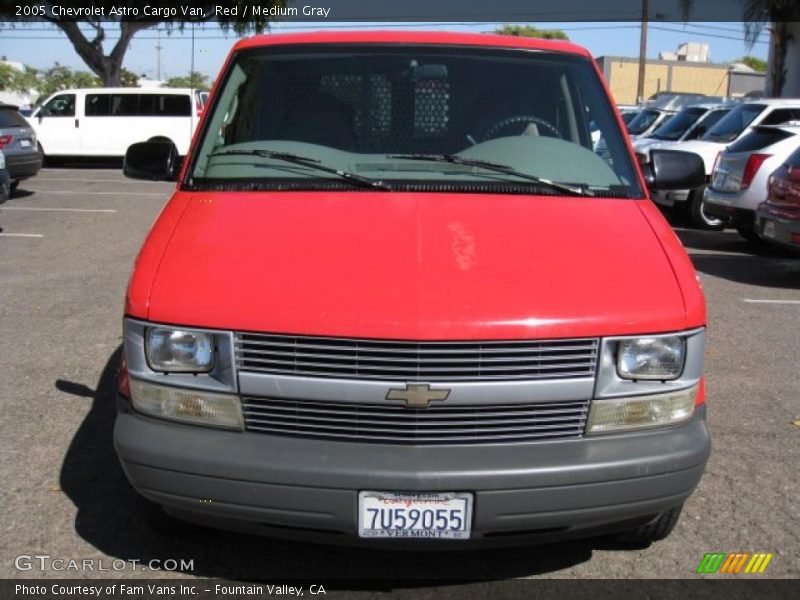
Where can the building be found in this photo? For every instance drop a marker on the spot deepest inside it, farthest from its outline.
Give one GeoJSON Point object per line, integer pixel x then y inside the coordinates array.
{"type": "Point", "coordinates": [689, 52]}
{"type": "Point", "coordinates": [685, 76]}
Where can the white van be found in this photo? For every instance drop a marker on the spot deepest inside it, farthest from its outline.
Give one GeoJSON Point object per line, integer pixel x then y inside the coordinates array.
{"type": "Point", "coordinates": [106, 121]}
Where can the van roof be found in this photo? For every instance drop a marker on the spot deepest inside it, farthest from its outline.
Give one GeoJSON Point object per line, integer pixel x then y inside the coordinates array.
{"type": "Point", "coordinates": [128, 90]}
{"type": "Point", "coordinates": [411, 37]}
{"type": "Point", "coordinates": [774, 101]}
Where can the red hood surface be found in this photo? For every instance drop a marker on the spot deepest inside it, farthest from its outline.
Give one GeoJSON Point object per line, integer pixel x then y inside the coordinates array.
{"type": "Point", "coordinates": [407, 266]}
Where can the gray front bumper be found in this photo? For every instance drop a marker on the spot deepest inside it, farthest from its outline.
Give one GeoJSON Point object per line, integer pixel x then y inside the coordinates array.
{"type": "Point", "coordinates": [309, 489]}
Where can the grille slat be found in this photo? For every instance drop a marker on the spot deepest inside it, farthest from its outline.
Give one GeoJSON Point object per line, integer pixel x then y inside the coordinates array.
{"type": "Point", "coordinates": [415, 361]}
{"type": "Point", "coordinates": [399, 425]}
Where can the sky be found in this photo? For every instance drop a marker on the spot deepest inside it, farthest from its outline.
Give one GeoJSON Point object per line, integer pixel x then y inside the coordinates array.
{"type": "Point", "coordinates": [40, 45]}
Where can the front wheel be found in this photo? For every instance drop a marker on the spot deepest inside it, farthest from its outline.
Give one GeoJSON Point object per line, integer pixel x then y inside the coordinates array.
{"type": "Point", "coordinates": [657, 529]}
{"type": "Point", "coordinates": [698, 215]}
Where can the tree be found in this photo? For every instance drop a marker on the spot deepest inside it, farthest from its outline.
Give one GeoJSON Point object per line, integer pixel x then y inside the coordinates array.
{"type": "Point", "coordinates": [58, 77]}
{"type": "Point", "coordinates": [128, 79]}
{"type": "Point", "coordinates": [758, 14]}
{"type": "Point", "coordinates": [14, 80]}
{"type": "Point", "coordinates": [532, 32]}
{"type": "Point", "coordinates": [193, 80]}
{"type": "Point", "coordinates": [754, 63]}
{"type": "Point", "coordinates": [88, 34]}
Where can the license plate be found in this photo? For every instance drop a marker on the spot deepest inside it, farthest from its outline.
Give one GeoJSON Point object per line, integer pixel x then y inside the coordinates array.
{"type": "Point", "coordinates": [439, 516]}
{"type": "Point", "coordinates": [769, 229]}
{"type": "Point", "coordinates": [25, 143]}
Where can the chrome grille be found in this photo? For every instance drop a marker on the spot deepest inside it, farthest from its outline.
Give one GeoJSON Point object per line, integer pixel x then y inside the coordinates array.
{"type": "Point", "coordinates": [462, 424]}
{"type": "Point", "coordinates": [415, 361]}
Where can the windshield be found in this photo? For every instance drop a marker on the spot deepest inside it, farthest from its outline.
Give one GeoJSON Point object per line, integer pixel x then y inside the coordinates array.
{"type": "Point", "coordinates": [734, 123]}
{"type": "Point", "coordinates": [351, 115]}
{"type": "Point", "coordinates": [675, 127]}
{"type": "Point", "coordinates": [643, 121]}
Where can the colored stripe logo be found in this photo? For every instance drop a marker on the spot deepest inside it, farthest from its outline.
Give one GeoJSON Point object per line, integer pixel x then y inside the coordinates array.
{"type": "Point", "coordinates": [734, 563]}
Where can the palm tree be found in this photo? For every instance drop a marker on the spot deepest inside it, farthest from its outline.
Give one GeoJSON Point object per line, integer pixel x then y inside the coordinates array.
{"type": "Point", "coordinates": [758, 14]}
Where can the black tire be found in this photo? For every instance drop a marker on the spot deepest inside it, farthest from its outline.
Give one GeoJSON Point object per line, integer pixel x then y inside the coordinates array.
{"type": "Point", "coordinates": [5, 192]}
{"type": "Point", "coordinates": [657, 529]}
{"type": "Point", "coordinates": [14, 185]}
{"type": "Point", "coordinates": [749, 234]}
{"type": "Point", "coordinates": [697, 213]}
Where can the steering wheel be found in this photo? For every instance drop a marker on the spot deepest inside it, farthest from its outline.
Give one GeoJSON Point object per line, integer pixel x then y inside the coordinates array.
{"type": "Point", "coordinates": [493, 130]}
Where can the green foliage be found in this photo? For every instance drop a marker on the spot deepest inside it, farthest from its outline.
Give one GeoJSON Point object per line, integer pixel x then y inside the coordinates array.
{"type": "Point", "coordinates": [128, 79]}
{"type": "Point", "coordinates": [18, 81]}
{"type": "Point", "coordinates": [58, 77]}
{"type": "Point", "coordinates": [531, 32]}
{"type": "Point", "coordinates": [754, 63]}
{"type": "Point", "coordinates": [193, 80]}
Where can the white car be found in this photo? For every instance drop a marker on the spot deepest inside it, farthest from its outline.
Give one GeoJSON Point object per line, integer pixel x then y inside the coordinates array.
{"type": "Point", "coordinates": [739, 180]}
{"type": "Point", "coordinates": [738, 122]}
{"type": "Point", "coordinates": [647, 121]}
{"type": "Point", "coordinates": [106, 121]}
{"type": "Point", "coordinates": [689, 124]}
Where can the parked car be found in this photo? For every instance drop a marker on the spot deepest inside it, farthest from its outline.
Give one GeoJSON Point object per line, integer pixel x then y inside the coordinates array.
{"type": "Point", "coordinates": [739, 179]}
{"type": "Point", "coordinates": [688, 124]}
{"type": "Point", "coordinates": [730, 128]}
{"type": "Point", "coordinates": [5, 180]}
{"type": "Point", "coordinates": [78, 122]}
{"type": "Point", "coordinates": [647, 121]}
{"type": "Point", "coordinates": [396, 298]}
{"type": "Point", "coordinates": [18, 143]}
{"type": "Point", "coordinates": [778, 218]}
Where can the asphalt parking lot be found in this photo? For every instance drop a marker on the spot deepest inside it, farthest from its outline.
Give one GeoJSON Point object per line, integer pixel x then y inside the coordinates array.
{"type": "Point", "coordinates": [67, 244]}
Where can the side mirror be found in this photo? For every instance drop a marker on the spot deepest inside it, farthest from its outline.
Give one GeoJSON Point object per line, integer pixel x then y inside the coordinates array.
{"type": "Point", "coordinates": [40, 115]}
{"type": "Point", "coordinates": [157, 161]}
{"type": "Point", "coordinates": [674, 170]}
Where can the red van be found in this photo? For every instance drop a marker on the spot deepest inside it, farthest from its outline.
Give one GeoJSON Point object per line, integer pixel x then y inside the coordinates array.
{"type": "Point", "coordinates": [396, 298]}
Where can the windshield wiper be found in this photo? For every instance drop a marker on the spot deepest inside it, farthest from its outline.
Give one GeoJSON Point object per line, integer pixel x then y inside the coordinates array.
{"type": "Point", "coordinates": [311, 163]}
{"type": "Point", "coordinates": [490, 166]}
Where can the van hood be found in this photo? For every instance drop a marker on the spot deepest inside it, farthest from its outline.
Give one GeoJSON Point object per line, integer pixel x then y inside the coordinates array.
{"type": "Point", "coordinates": [410, 266]}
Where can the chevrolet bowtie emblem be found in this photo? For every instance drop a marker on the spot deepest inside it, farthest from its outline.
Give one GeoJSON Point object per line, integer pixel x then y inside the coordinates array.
{"type": "Point", "coordinates": [417, 395]}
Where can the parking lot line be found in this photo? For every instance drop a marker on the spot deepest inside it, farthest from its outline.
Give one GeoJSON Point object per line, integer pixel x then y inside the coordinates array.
{"type": "Point", "coordinates": [72, 193]}
{"type": "Point", "coordinates": [26, 235]}
{"type": "Point", "coordinates": [765, 301]}
{"type": "Point", "coordinates": [89, 210]}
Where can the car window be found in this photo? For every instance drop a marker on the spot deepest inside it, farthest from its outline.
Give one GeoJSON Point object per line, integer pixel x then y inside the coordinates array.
{"type": "Point", "coordinates": [9, 117]}
{"type": "Point", "coordinates": [674, 128]}
{"type": "Point", "coordinates": [642, 122]}
{"type": "Point", "coordinates": [781, 115]}
{"type": "Point", "coordinates": [758, 138]}
{"type": "Point", "coordinates": [356, 108]}
{"type": "Point", "coordinates": [734, 123]}
{"type": "Point", "coordinates": [706, 123]}
{"type": "Point", "coordinates": [62, 105]}
{"type": "Point", "coordinates": [794, 159]}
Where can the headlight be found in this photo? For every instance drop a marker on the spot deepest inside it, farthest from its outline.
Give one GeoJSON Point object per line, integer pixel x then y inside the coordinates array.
{"type": "Point", "coordinates": [195, 407]}
{"type": "Point", "coordinates": [640, 412]}
{"type": "Point", "coordinates": [659, 357]}
{"type": "Point", "coordinates": [179, 350]}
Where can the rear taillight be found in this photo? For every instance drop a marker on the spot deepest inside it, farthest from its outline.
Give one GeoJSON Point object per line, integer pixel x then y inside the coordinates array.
{"type": "Point", "coordinates": [5, 140]}
{"type": "Point", "coordinates": [751, 168]}
{"type": "Point", "coordinates": [716, 162]}
{"type": "Point", "coordinates": [199, 108]}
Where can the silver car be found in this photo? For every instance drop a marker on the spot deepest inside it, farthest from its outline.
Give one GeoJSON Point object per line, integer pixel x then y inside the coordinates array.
{"type": "Point", "coordinates": [18, 144]}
